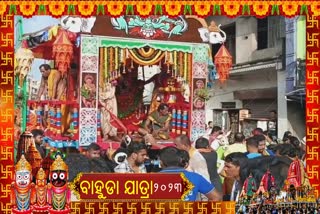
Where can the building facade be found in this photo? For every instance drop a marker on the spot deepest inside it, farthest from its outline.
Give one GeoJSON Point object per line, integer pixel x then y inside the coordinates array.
{"type": "Point", "coordinates": [255, 82]}
{"type": "Point", "coordinates": [295, 93]}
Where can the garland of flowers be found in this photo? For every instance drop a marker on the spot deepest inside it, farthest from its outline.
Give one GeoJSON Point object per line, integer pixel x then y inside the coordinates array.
{"type": "Point", "coordinates": [171, 8]}
{"type": "Point", "coordinates": [189, 67]}
{"type": "Point", "coordinates": [101, 68]}
{"type": "Point", "coordinates": [181, 63]}
{"type": "Point", "coordinates": [106, 64]}
{"type": "Point", "coordinates": [111, 63]}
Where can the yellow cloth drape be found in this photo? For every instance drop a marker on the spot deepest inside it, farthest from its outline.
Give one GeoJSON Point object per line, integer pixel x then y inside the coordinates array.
{"type": "Point", "coordinates": [65, 109]}
{"type": "Point", "coordinates": [51, 78]}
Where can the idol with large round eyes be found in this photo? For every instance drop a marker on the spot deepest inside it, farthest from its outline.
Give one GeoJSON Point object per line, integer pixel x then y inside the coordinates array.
{"type": "Point", "coordinates": [58, 178]}
{"type": "Point", "coordinates": [23, 178]}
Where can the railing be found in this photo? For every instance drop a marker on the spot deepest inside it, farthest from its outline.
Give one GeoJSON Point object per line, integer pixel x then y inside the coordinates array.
{"type": "Point", "coordinates": [60, 117]}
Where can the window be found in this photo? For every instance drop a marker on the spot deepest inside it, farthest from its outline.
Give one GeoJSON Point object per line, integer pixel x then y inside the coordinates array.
{"type": "Point", "coordinates": [262, 33]}
{"type": "Point", "coordinates": [300, 74]}
{"type": "Point", "coordinates": [228, 104]}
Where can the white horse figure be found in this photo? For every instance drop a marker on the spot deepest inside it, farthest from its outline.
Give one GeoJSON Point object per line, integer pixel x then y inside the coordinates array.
{"type": "Point", "coordinates": [77, 24]}
{"type": "Point", "coordinates": [186, 91]}
{"type": "Point", "coordinates": [219, 145]}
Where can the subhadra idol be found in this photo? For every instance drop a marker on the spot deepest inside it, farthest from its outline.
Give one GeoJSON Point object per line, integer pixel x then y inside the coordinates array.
{"type": "Point", "coordinates": [21, 187]}
{"type": "Point", "coordinates": [40, 203]}
{"type": "Point", "coordinates": [58, 191]}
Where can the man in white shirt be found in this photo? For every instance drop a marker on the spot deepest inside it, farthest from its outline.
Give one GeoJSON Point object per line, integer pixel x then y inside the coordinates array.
{"type": "Point", "coordinates": [209, 128]}
{"type": "Point", "coordinates": [214, 142]}
{"type": "Point", "coordinates": [197, 162]}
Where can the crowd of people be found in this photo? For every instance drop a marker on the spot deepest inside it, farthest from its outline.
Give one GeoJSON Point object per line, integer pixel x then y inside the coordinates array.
{"type": "Point", "coordinates": [199, 161]}
{"type": "Point", "coordinates": [281, 210]}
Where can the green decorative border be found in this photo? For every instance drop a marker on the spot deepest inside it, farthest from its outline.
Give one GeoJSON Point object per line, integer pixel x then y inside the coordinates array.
{"type": "Point", "coordinates": [135, 43]}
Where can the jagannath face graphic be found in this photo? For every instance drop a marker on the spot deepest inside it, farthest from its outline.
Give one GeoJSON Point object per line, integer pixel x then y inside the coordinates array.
{"type": "Point", "coordinates": [58, 178]}
{"type": "Point", "coordinates": [23, 178]}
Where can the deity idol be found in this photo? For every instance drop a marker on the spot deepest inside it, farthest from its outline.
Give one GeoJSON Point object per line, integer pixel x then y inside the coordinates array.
{"type": "Point", "coordinates": [170, 93]}
{"type": "Point", "coordinates": [21, 188]}
{"type": "Point", "coordinates": [267, 182]}
{"type": "Point", "coordinates": [297, 175]}
{"type": "Point", "coordinates": [40, 202]}
{"type": "Point", "coordinates": [58, 191]}
{"type": "Point", "coordinates": [249, 188]}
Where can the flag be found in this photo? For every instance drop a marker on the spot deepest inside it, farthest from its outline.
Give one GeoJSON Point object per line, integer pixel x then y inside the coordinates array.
{"type": "Point", "coordinates": [115, 122]}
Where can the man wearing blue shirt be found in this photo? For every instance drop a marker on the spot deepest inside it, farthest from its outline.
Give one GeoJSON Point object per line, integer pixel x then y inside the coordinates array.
{"type": "Point", "coordinates": [252, 148]}
{"type": "Point", "coordinates": [172, 162]}
{"type": "Point", "coordinates": [262, 146]}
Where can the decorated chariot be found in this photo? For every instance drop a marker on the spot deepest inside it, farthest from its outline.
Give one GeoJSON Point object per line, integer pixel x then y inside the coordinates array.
{"type": "Point", "coordinates": [296, 191]}
{"type": "Point", "coordinates": [106, 75]}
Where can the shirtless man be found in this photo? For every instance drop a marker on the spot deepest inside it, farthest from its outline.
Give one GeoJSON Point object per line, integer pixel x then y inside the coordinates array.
{"type": "Point", "coordinates": [49, 82]}
{"type": "Point", "coordinates": [53, 85]}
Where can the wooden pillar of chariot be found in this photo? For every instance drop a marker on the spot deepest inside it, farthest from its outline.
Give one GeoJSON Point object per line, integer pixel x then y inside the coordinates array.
{"type": "Point", "coordinates": [88, 113]}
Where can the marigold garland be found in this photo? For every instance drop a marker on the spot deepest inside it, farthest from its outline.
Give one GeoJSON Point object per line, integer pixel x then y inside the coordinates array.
{"type": "Point", "coordinates": [173, 8]}
{"type": "Point", "coordinates": [315, 8]}
{"type": "Point", "coordinates": [115, 8]}
{"type": "Point", "coordinates": [248, 2]}
{"type": "Point", "coordinates": [163, 3]}
{"type": "Point", "coordinates": [47, 2]}
{"type": "Point", "coordinates": [144, 8]}
{"type": "Point", "coordinates": [231, 8]}
{"type": "Point", "coordinates": [27, 8]}
{"type": "Point", "coordinates": [261, 9]}
{"type": "Point", "coordinates": [41, 9]}
{"type": "Point", "coordinates": [3, 8]}
{"type": "Point", "coordinates": [289, 8]}
{"type": "Point", "coordinates": [86, 8]}
{"type": "Point", "coordinates": [56, 9]}
{"type": "Point", "coordinates": [202, 9]}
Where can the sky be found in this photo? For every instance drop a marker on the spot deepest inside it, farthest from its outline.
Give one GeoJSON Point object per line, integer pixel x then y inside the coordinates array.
{"type": "Point", "coordinates": [34, 24]}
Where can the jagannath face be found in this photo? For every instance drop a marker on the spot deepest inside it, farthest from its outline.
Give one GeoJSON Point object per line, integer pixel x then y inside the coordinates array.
{"type": "Point", "coordinates": [23, 178]}
{"type": "Point", "coordinates": [58, 178]}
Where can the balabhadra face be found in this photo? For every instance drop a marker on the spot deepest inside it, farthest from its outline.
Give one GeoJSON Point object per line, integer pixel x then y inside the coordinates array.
{"type": "Point", "coordinates": [58, 178]}
{"type": "Point", "coordinates": [23, 178]}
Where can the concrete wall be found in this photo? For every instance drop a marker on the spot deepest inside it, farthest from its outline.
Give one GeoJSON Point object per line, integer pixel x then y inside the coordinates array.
{"type": "Point", "coordinates": [296, 119]}
{"type": "Point", "coordinates": [282, 104]}
{"type": "Point", "coordinates": [224, 93]}
{"type": "Point", "coordinates": [295, 48]}
{"type": "Point", "coordinates": [246, 51]}
{"type": "Point", "coordinates": [246, 39]}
